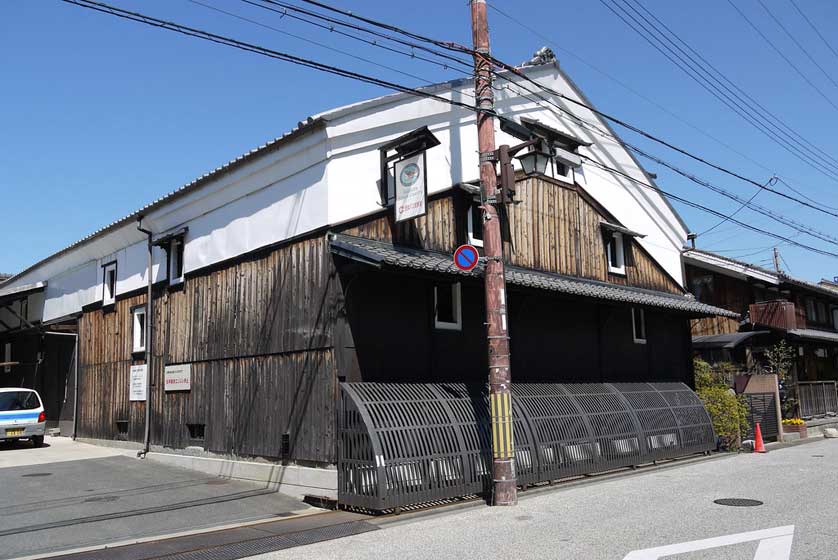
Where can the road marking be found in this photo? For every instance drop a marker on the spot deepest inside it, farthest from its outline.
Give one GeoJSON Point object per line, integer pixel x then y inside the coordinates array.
{"type": "Point", "coordinates": [774, 544]}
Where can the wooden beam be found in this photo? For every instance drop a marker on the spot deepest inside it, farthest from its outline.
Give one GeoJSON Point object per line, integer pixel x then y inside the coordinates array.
{"type": "Point", "coordinates": [19, 316]}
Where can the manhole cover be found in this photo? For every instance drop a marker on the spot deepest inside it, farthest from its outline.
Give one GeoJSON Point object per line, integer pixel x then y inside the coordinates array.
{"type": "Point", "coordinates": [37, 474]}
{"type": "Point", "coordinates": [217, 482]}
{"type": "Point", "coordinates": [737, 502]}
{"type": "Point", "coordinates": [98, 499]}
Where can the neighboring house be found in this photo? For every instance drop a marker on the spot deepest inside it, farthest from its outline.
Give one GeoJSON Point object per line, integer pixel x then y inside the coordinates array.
{"type": "Point", "coordinates": [280, 274]}
{"type": "Point", "coordinates": [771, 306]}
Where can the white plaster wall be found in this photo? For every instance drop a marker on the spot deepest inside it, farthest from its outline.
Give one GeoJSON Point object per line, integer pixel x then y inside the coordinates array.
{"type": "Point", "coordinates": [328, 175]}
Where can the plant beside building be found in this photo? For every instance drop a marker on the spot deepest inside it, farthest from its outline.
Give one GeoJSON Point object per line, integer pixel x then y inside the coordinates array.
{"type": "Point", "coordinates": [795, 425]}
{"type": "Point", "coordinates": [727, 410]}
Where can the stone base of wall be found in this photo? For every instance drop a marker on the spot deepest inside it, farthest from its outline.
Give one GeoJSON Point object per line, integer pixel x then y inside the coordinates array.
{"type": "Point", "coordinates": [293, 480]}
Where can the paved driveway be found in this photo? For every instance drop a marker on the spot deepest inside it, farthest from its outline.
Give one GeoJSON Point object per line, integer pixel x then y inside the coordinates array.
{"type": "Point", "coordinates": [71, 495]}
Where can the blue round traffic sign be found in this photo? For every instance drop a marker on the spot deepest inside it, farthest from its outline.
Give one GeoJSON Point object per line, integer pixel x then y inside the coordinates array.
{"type": "Point", "coordinates": [466, 257]}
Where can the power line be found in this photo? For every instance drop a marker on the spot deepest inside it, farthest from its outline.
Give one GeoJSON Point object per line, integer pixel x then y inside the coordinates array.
{"type": "Point", "coordinates": [749, 103]}
{"type": "Point", "coordinates": [332, 29]}
{"type": "Point", "coordinates": [462, 49]}
{"type": "Point", "coordinates": [780, 52]}
{"type": "Point", "coordinates": [241, 45]}
{"type": "Point", "coordinates": [654, 103]}
{"type": "Point", "coordinates": [815, 29]}
{"type": "Point", "coordinates": [104, 8]}
{"type": "Point", "coordinates": [796, 42]}
{"type": "Point", "coordinates": [709, 210]}
{"type": "Point", "coordinates": [826, 164]}
{"type": "Point", "coordinates": [311, 41]}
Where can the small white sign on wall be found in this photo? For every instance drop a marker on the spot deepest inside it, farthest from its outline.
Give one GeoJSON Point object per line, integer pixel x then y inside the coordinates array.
{"type": "Point", "coordinates": [139, 383]}
{"type": "Point", "coordinates": [177, 378]}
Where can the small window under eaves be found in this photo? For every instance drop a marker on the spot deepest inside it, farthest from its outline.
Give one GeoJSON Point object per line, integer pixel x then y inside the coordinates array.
{"type": "Point", "coordinates": [176, 251]}
{"type": "Point", "coordinates": [109, 283]}
{"type": "Point", "coordinates": [638, 325]}
{"type": "Point", "coordinates": [139, 329]}
{"type": "Point", "coordinates": [616, 254]}
{"type": "Point", "coordinates": [475, 225]}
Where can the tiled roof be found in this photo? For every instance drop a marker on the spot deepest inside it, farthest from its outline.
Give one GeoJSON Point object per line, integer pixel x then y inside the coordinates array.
{"type": "Point", "coordinates": [379, 253]}
{"type": "Point", "coordinates": [815, 334]}
{"type": "Point", "coordinates": [781, 277]}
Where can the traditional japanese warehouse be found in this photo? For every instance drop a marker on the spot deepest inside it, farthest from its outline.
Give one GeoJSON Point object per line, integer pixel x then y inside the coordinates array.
{"type": "Point", "coordinates": [292, 283]}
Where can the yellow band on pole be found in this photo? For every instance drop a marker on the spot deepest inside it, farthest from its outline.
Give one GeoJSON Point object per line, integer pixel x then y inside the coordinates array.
{"type": "Point", "coordinates": [501, 409]}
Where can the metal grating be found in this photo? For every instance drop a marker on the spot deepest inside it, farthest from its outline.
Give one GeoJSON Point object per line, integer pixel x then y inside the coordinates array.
{"type": "Point", "coordinates": [737, 502]}
{"type": "Point", "coordinates": [762, 408]}
{"type": "Point", "coordinates": [403, 444]}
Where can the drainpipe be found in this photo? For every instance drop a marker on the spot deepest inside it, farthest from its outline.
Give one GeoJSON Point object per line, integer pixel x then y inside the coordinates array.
{"type": "Point", "coordinates": [149, 321]}
{"type": "Point", "coordinates": [75, 376]}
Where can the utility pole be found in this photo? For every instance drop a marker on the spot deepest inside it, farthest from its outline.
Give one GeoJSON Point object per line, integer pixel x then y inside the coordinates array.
{"type": "Point", "coordinates": [776, 260]}
{"type": "Point", "coordinates": [505, 492]}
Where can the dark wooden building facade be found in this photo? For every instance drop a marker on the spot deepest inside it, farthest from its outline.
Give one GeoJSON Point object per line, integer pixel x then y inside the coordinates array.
{"type": "Point", "coordinates": [271, 334]}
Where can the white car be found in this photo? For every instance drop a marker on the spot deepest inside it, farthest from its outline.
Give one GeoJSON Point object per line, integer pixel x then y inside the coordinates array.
{"type": "Point", "coordinates": [21, 415]}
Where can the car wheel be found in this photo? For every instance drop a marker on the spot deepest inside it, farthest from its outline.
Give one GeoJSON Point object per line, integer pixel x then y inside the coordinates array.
{"type": "Point", "coordinates": [38, 441]}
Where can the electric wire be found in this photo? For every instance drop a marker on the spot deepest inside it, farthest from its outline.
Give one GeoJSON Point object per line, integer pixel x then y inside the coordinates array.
{"type": "Point", "coordinates": [171, 26]}
{"type": "Point", "coordinates": [815, 29]}
{"type": "Point", "coordinates": [780, 52]}
{"type": "Point", "coordinates": [709, 210]}
{"type": "Point", "coordinates": [688, 65]}
{"type": "Point", "coordinates": [312, 42]}
{"type": "Point", "coordinates": [716, 74]}
{"type": "Point", "coordinates": [241, 45]}
{"type": "Point", "coordinates": [658, 105]}
{"type": "Point", "coordinates": [796, 42]}
{"type": "Point", "coordinates": [374, 43]}
{"type": "Point", "coordinates": [463, 49]}
{"type": "Point", "coordinates": [704, 183]}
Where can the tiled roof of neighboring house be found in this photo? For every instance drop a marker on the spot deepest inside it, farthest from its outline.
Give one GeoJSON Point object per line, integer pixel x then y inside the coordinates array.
{"type": "Point", "coordinates": [814, 334]}
{"type": "Point", "coordinates": [378, 253]}
{"type": "Point", "coordinates": [781, 277]}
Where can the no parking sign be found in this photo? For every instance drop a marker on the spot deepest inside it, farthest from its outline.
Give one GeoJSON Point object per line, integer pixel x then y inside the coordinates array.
{"type": "Point", "coordinates": [466, 258]}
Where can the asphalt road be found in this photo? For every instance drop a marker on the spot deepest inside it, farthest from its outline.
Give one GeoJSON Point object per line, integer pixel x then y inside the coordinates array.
{"type": "Point", "coordinates": [621, 518]}
{"type": "Point", "coordinates": [71, 495]}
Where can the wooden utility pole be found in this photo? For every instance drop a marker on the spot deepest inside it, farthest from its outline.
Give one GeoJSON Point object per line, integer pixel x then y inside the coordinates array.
{"type": "Point", "coordinates": [776, 260]}
{"type": "Point", "coordinates": [505, 492]}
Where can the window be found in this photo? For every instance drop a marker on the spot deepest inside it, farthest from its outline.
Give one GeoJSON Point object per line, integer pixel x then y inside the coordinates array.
{"type": "Point", "coordinates": [18, 400]}
{"type": "Point", "coordinates": [835, 318]}
{"type": "Point", "coordinates": [616, 253]}
{"type": "Point", "coordinates": [109, 284]}
{"type": "Point", "coordinates": [447, 312]}
{"type": "Point", "coordinates": [139, 328]}
{"type": "Point", "coordinates": [475, 225]}
{"type": "Point", "coordinates": [822, 318]}
{"type": "Point", "coordinates": [176, 261]}
{"type": "Point", "coordinates": [8, 357]}
{"type": "Point", "coordinates": [811, 315]}
{"type": "Point", "coordinates": [638, 325]}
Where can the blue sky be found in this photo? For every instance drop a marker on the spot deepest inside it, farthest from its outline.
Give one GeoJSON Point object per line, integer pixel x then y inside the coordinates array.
{"type": "Point", "coordinates": [100, 116]}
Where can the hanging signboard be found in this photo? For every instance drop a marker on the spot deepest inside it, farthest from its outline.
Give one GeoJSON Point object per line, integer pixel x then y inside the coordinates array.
{"type": "Point", "coordinates": [139, 383]}
{"type": "Point", "coordinates": [411, 187]}
{"type": "Point", "coordinates": [177, 378]}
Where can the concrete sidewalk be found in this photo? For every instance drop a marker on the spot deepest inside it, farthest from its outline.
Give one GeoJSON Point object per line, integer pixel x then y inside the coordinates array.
{"type": "Point", "coordinates": [71, 495]}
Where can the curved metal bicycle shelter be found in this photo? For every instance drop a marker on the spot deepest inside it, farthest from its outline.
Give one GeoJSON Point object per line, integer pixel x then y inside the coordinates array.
{"type": "Point", "coordinates": [405, 444]}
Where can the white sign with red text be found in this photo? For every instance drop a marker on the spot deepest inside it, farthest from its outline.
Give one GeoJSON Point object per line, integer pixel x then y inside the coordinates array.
{"type": "Point", "coordinates": [411, 187]}
{"type": "Point", "coordinates": [177, 378]}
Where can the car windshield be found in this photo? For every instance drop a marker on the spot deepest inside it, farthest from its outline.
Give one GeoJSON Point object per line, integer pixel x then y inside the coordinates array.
{"type": "Point", "coordinates": [18, 400]}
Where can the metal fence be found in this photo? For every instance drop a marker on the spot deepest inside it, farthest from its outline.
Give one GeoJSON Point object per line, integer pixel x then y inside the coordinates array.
{"type": "Point", "coordinates": [762, 408]}
{"type": "Point", "coordinates": [404, 444]}
{"type": "Point", "coordinates": [817, 398]}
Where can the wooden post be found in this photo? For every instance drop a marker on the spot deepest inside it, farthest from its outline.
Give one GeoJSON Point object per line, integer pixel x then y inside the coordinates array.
{"type": "Point", "coordinates": [503, 462]}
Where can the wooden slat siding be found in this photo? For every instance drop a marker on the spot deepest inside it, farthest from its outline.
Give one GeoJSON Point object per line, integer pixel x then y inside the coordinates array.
{"type": "Point", "coordinates": [552, 228]}
{"type": "Point", "coordinates": [258, 336]}
{"type": "Point", "coordinates": [714, 325]}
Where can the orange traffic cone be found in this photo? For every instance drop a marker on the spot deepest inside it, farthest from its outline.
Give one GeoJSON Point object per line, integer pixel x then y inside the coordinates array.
{"type": "Point", "coordinates": [759, 447]}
